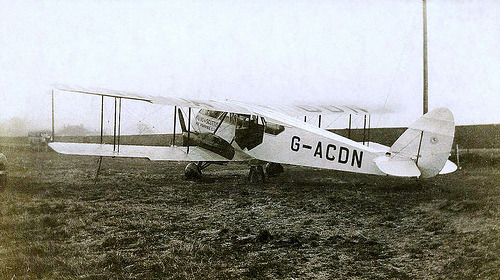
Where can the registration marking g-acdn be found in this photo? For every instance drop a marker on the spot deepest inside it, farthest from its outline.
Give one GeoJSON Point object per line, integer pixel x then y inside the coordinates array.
{"type": "Point", "coordinates": [330, 152]}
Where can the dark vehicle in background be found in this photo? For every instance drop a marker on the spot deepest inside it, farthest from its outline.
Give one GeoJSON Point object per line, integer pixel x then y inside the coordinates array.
{"type": "Point", "coordinates": [39, 140]}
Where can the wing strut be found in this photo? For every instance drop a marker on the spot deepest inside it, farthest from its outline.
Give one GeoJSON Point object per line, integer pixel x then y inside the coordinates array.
{"type": "Point", "coordinates": [117, 124]}
{"type": "Point", "coordinates": [369, 128]}
{"type": "Point", "coordinates": [364, 130]}
{"type": "Point", "coordinates": [102, 118]}
{"type": "Point", "coordinates": [175, 124]}
{"type": "Point", "coordinates": [349, 130]}
{"type": "Point", "coordinates": [114, 128]}
{"type": "Point", "coordinates": [189, 128]}
{"type": "Point", "coordinates": [99, 161]}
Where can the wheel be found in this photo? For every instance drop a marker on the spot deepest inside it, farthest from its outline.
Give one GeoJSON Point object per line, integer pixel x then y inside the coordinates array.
{"type": "Point", "coordinates": [192, 171]}
{"type": "Point", "coordinates": [274, 169]}
{"type": "Point", "coordinates": [256, 174]}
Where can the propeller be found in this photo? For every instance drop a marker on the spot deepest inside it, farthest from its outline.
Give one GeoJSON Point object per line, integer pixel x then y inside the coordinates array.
{"type": "Point", "coordinates": [182, 121]}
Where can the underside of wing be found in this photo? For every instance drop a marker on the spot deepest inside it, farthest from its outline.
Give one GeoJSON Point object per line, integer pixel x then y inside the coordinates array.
{"type": "Point", "coordinates": [171, 153]}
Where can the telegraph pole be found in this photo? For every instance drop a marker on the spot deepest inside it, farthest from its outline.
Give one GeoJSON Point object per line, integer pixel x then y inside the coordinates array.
{"type": "Point", "coordinates": [426, 86]}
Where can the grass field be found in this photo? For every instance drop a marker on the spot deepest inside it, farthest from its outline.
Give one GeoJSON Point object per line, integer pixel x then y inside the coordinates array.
{"type": "Point", "coordinates": [142, 220]}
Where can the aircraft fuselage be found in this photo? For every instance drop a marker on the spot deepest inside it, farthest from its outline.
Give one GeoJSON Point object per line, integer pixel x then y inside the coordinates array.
{"type": "Point", "coordinates": [273, 142]}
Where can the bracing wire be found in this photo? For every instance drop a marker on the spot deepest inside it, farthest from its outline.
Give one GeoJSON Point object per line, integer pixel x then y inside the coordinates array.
{"type": "Point", "coordinates": [407, 40]}
{"type": "Point", "coordinates": [328, 126]}
{"type": "Point", "coordinates": [148, 116]}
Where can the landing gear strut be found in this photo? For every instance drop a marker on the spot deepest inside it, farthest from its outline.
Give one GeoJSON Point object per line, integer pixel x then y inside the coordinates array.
{"type": "Point", "coordinates": [256, 174]}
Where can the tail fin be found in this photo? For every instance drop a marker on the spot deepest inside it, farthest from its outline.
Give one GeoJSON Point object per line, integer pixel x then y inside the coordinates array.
{"type": "Point", "coordinates": [427, 141]}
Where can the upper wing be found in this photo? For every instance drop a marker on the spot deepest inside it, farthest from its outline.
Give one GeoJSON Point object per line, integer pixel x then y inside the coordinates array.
{"type": "Point", "coordinates": [225, 106]}
{"type": "Point", "coordinates": [232, 106]}
{"type": "Point", "coordinates": [294, 122]}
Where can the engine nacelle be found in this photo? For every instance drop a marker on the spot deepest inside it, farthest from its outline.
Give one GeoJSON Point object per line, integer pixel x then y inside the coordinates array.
{"type": "Point", "coordinates": [210, 142]}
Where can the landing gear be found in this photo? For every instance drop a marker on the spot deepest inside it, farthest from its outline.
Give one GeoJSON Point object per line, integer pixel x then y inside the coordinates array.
{"type": "Point", "coordinates": [193, 170]}
{"type": "Point", "coordinates": [274, 169]}
{"type": "Point", "coordinates": [256, 174]}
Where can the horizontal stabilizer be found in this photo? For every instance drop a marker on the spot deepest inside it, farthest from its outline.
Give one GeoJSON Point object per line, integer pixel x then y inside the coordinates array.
{"type": "Point", "coordinates": [397, 167]}
{"type": "Point", "coordinates": [449, 167]}
{"type": "Point", "coordinates": [166, 153]}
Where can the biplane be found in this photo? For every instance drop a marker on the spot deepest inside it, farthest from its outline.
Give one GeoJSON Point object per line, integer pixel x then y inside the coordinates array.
{"type": "Point", "coordinates": [270, 136]}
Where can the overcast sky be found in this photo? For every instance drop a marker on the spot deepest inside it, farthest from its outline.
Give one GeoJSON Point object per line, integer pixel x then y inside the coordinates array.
{"type": "Point", "coordinates": [261, 51]}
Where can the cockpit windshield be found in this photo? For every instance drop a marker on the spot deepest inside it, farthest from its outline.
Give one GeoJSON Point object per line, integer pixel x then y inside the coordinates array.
{"type": "Point", "coordinates": [210, 113]}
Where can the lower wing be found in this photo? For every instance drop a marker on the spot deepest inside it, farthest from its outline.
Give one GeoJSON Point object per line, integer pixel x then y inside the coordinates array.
{"type": "Point", "coordinates": [171, 153]}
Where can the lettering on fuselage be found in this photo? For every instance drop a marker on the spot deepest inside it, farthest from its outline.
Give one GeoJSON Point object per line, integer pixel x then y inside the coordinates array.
{"type": "Point", "coordinates": [206, 123]}
{"type": "Point", "coordinates": [331, 152]}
